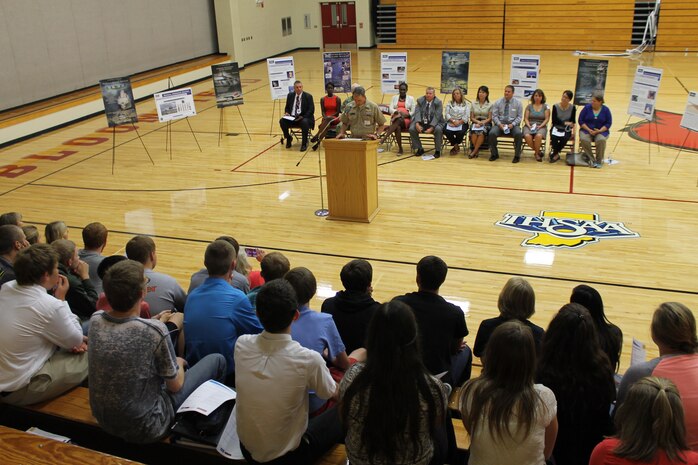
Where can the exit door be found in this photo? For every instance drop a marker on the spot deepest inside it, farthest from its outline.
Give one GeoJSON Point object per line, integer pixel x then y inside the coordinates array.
{"type": "Point", "coordinates": [338, 24]}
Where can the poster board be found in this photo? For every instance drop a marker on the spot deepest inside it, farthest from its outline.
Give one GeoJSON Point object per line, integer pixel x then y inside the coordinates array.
{"type": "Point", "coordinates": [524, 74]}
{"type": "Point", "coordinates": [282, 75]}
{"type": "Point", "coordinates": [337, 70]}
{"type": "Point", "coordinates": [393, 71]}
{"type": "Point", "coordinates": [119, 104]}
{"type": "Point", "coordinates": [690, 114]}
{"type": "Point", "coordinates": [227, 84]}
{"type": "Point", "coordinates": [455, 67]}
{"type": "Point", "coordinates": [591, 77]}
{"type": "Point", "coordinates": [643, 96]}
{"type": "Point", "coordinates": [175, 104]}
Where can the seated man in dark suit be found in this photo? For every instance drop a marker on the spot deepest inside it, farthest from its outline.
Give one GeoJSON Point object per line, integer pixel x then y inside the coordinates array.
{"type": "Point", "coordinates": [301, 108]}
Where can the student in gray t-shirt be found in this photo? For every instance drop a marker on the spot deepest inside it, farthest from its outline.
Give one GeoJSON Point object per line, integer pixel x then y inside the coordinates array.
{"type": "Point", "coordinates": [136, 381]}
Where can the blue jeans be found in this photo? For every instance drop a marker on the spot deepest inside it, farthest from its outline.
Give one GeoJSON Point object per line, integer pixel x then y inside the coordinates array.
{"type": "Point", "coordinates": [212, 366]}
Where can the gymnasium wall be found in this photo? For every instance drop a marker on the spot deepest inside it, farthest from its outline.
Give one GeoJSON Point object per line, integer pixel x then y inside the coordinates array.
{"type": "Point", "coordinates": [676, 31]}
{"type": "Point", "coordinates": [51, 47]}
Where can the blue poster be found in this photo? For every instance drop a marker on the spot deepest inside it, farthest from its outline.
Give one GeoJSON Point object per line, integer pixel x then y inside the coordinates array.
{"type": "Point", "coordinates": [337, 70]}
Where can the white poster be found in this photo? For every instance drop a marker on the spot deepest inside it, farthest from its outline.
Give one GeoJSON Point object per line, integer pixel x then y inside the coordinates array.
{"type": "Point", "coordinates": [175, 104]}
{"type": "Point", "coordinates": [282, 75]}
{"type": "Point", "coordinates": [524, 74]}
{"type": "Point", "coordinates": [690, 115]}
{"type": "Point", "coordinates": [393, 71]}
{"type": "Point", "coordinates": [643, 96]}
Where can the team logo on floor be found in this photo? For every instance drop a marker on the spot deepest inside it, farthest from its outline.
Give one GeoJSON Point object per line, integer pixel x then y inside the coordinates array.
{"type": "Point", "coordinates": [564, 229]}
{"type": "Point", "coordinates": [664, 130]}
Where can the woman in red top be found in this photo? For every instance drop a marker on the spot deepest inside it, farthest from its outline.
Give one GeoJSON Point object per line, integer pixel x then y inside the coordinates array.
{"type": "Point", "coordinates": [330, 105]}
{"type": "Point", "coordinates": [650, 428]}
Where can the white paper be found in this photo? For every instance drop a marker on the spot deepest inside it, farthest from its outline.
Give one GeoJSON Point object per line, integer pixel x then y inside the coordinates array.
{"type": "Point", "coordinates": [643, 96]}
{"type": "Point", "coordinates": [690, 114]}
{"type": "Point", "coordinates": [638, 353]}
{"type": "Point", "coordinates": [393, 71]}
{"type": "Point", "coordinates": [289, 117]}
{"type": "Point", "coordinates": [454, 128]}
{"type": "Point", "coordinates": [428, 157]}
{"type": "Point", "coordinates": [477, 128]}
{"type": "Point", "coordinates": [282, 75]}
{"type": "Point", "coordinates": [207, 398]}
{"type": "Point", "coordinates": [175, 104]}
{"type": "Point", "coordinates": [558, 132]}
{"type": "Point", "coordinates": [229, 443]}
{"type": "Point", "coordinates": [524, 74]}
{"type": "Point", "coordinates": [46, 434]}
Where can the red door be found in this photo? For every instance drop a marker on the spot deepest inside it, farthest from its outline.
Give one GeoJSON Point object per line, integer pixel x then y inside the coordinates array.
{"type": "Point", "coordinates": [338, 24]}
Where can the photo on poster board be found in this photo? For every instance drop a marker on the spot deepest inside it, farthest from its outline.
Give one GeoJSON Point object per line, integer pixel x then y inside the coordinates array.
{"type": "Point", "coordinates": [524, 74]}
{"type": "Point", "coordinates": [227, 84]}
{"type": "Point", "coordinates": [393, 71]}
{"type": "Point", "coordinates": [282, 75]}
{"type": "Point", "coordinates": [690, 115]}
{"type": "Point", "coordinates": [175, 104]}
{"type": "Point", "coordinates": [454, 71]}
{"type": "Point", "coordinates": [591, 77]}
{"type": "Point", "coordinates": [337, 70]}
{"type": "Point", "coordinates": [119, 104]}
{"type": "Point", "coordinates": [643, 96]}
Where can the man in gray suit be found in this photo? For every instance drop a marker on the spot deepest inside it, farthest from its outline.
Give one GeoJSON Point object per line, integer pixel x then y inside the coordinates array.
{"type": "Point", "coordinates": [428, 119]}
{"type": "Point", "coordinates": [507, 113]}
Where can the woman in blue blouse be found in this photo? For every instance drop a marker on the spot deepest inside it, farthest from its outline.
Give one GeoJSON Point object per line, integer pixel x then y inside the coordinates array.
{"type": "Point", "coordinates": [594, 122]}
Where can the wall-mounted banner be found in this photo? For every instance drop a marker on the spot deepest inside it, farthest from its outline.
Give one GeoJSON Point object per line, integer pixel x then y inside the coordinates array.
{"type": "Point", "coordinates": [337, 70]}
{"type": "Point", "coordinates": [282, 75]}
{"type": "Point", "coordinates": [454, 71]}
{"type": "Point", "coordinates": [591, 77]}
{"type": "Point", "coordinates": [524, 74]}
{"type": "Point", "coordinates": [690, 115]}
{"type": "Point", "coordinates": [393, 71]}
{"type": "Point", "coordinates": [119, 105]}
{"type": "Point", "coordinates": [643, 96]}
{"type": "Point", "coordinates": [175, 104]}
{"type": "Point", "coordinates": [226, 84]}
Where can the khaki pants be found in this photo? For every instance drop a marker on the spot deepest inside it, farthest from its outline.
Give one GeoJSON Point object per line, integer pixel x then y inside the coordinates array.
{"type": "Point", "coordinates": [63, 371]}
{"type": "Point", "coordinates": [600, 141]}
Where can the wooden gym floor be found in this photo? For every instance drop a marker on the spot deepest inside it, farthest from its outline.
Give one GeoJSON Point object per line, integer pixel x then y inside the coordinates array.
{"type": "Point", "coordinates": [254, 190]}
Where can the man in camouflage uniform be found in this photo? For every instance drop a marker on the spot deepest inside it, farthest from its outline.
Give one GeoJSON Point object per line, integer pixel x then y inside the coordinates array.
{"type": "Point", "coordinates": [362, 117]}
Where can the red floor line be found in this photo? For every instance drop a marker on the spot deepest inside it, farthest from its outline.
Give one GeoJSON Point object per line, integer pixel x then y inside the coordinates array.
{"type": "Point", "coordinates": [260, 153]}
{"type": "Point", "coordinates": [571, 179]}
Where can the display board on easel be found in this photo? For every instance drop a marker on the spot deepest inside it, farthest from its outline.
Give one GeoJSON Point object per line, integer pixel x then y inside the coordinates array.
{"type": "Point", "coordinates": [282, 74]}
{"type": "Point", "coordinates": [393, 71]}
{"type": "Point", "coordinates": [227, 86]}
{"type": "Point", "coordinates": [173, 105]}
{"type": "Point", "coordinates": [337, 70]}
{"type": "Point", "coordinates": [591, 77]}
{"type": "Point", "coordinates": [643, 96]}
{"type": "Point", "coordinates": [524, 74]}
{"type": "Point", "coordinates": [455, 67]}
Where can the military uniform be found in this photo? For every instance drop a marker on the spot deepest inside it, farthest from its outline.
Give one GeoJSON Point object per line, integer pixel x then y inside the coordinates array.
{"type": "Point", "coordinates": [362, 120]}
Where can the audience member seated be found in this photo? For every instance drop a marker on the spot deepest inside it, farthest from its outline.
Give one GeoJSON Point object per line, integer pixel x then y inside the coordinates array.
{"type": "Point", "coordinates": [32, 234]}
{"type": "Point", "coordinates": [510, 419]}
{"type": "Point", "coordinates": [102, 302]}
{"type": "Point", "coordinates": [517, 301]}
{"type": "Point", "coordinates": [42, 349]}
{"type": "Point", "coordinates": [594, 123]}
{"type": "Point", "coordinates": [300, 107]}
{"type": "Point", "coordinates": [350, 99]}
{"type": "Point", "coordinates": [274, 266]}
{"type": "Point", "coordinates": [576, 369]}
{"type": "Point", "coordinates": [238, 280]}
{"type": "Point", "coordinates": [244, 268]}
{"type": "Point", "coordinates": [674, 332]}
{"type": "Point", "coordinates": [216, 313]}
{"type": "Point", "coordinates": [428, 118]}
{"type": "Point", "coordinates": [507, 113]}
{"type": "Point", "coordinates": [564, 117]}
{"type": "Point", "coordinates": [480, 119]}
{"type": "Point", "coordinates": [55, 230]}
{"type": "Point", "coordinates": [14, 218]}
{"type": "Point", "coordinates": [273, 375]}
{"type": "Point", "coordinates": [457, 117]}
{"type": "Point", "coordinates": [650, 428]}
{"type": "Point", "coordinates": [392, 409]}
{"type": "Point", "coordinates": [353, 308]}
{"type": "Point", "coordinates": [94, 236]}
{"type": "Point", "coordinates": [81, 296]}
{"type": "Point", "coordinates": [441, 324]}
{"type": "Point", "coordinates": [12, 240]}
{"type": "Point", "coordinates": [330, 105]}
{"type": "Point", "coordinates": [401, 110]}
{"type": "Point", "coordinates": [363, 119]}
{"type": "Point", "coordinates": [164, 292]}
{"type": "Point", "coordinates": [136, 381]}
{"type": "Point", "coordinates": [535, 120]}
{"type": "Point", "coordinates": [610, 335]}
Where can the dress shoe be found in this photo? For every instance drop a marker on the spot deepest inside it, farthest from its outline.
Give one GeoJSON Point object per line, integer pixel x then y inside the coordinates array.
{"type": "Point", "coordinates": [304, 146]}
{"type": "Point", "coordinates": [454, 150]}
{"type": "Point", "coordinates": [316, 146]}
{"type": "Point", "coordinates": [493, 157]}
{"type": "Point", "coordinates": [313, 139]}
{"type": "Point", "coordinates": [437, 154]}
{"type": "Point", "coordinates": [516, 160]}
{"type": "Point", "coordinates": [420, 152]}
{"type": "Point", "coordinates": [288, 142]}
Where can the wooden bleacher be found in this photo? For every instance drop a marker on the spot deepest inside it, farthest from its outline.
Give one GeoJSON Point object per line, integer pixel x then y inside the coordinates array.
{"type": "Point", "coordinates": [676, 31]}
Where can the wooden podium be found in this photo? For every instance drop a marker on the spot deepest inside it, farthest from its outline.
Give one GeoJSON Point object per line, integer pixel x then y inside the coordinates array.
{"type": "Point", "coordinates": [352, 179]}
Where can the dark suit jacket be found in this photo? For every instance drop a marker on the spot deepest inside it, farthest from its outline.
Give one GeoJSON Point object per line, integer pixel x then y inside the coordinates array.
{"type": "Point", "coordinates": [307, 106]}
{"type": "Point", "coordinates": [437, 111]}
